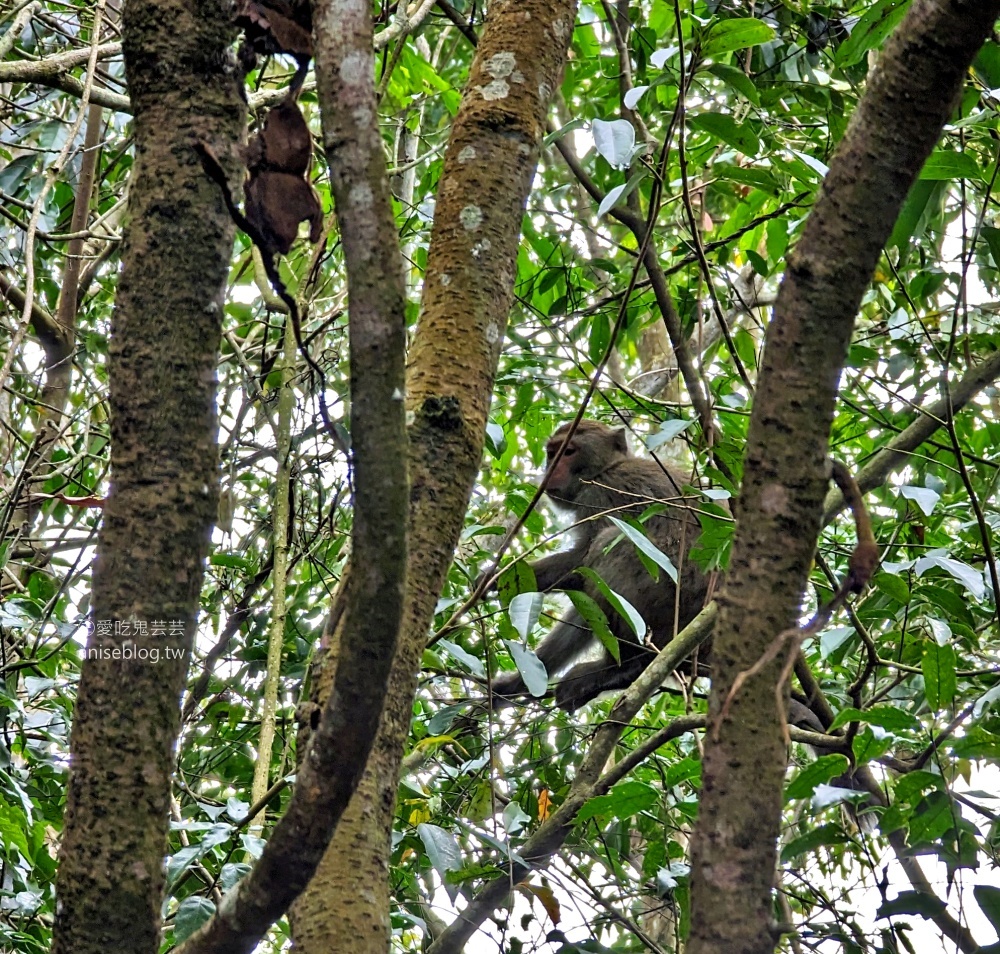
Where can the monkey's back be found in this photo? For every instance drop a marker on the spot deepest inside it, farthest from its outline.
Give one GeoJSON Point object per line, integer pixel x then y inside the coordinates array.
{"type": "Point", "coordinates": [629, 488]}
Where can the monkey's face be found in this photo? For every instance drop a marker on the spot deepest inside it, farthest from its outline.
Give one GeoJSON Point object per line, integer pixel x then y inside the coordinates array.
{"type": "Point", "coordinates": [562, 478]}
{"type": "Point", "coordinates": [588, 454]}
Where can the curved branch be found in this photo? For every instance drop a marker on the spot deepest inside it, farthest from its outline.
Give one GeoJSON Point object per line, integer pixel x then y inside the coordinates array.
{"type": "Point", "coordinates": [897, 122]}
{"type": "Point", "coordinates": [373, 601]}
{"type": "Point", "coordinates": [895, 452]}
{"type": "Point", "coordinates": [588, 782]}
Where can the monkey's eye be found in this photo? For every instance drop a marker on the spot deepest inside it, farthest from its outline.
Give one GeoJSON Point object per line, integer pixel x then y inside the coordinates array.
{"type": "Point", "coordinates": [569, 452]}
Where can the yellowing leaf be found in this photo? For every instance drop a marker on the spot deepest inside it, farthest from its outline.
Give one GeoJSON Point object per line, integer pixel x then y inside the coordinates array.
{"type": "Point", "coordinates": [544, 804]}
{"type": "Point", "coordinates": [544, 894]}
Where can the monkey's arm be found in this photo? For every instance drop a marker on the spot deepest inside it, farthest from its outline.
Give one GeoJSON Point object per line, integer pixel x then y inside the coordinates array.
{"type": "Point", "coordinates": [555, 572]}
{"type": "Point", "coordinates": [558, 571]}
{"type": "Point", "coordinates": [564, 642]}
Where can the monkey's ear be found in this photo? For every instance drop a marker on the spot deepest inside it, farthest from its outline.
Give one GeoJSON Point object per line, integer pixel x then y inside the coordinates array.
{"type": "Point", "coordinates": [620, 439]}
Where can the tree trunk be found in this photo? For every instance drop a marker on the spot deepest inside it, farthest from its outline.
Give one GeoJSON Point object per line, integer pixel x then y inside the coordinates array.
{"type": "Point", "coordinates": [893, 130]}
{"type": "Point", "coordinates": [152, 545]}
{"type": "Point", "coordinates": [468, 288]}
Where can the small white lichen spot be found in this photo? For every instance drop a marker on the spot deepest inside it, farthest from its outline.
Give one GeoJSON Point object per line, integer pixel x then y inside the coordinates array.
{"type": "Point", "coordinates": [524, 149]}
{"type": "Point", "coordinates": [774, 499]}
{"type": "Point", "coordinates": [360, 195]}
{"type": "Point", "coordinates": [544, 92]}
{"type": "Point", "coordinates": [493, 333]}
{"type": "Point", "coordinates": [498, 89]}
{"type": "Point", "coordinates": [559, 28]}
{"type": "Point", "coordinates": [397, 395]}
{"type": "Point", "coordinates": [410, 418]}
{"type": "Point", "coordinates": [362, 117]}
{"type": "Point", "coordinates": [445, 279]}
{"type": "Point", "coordinates": [501, 64]}
{"type": "Point", "coordinates": [517, 77]}
{"type": "Point", "coordinates": [352, 69]}
{"type": "Point", "coordinates": [471, 217]}
{"type": "Point", "coordinates": [467, 154]}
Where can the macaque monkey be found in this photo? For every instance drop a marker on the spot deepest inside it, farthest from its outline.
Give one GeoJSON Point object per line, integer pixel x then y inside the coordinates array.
{"type": "Point", "coordinates": [596, 476]}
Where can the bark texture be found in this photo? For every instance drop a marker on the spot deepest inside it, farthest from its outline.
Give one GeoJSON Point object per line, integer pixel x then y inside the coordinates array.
{"type": "Point", "coordinates": [371, 611]}
{"type": "Point", "coordinates": [468, 290]}
{"type": "Point", "coordinates": [909, 98]}
{"type": "Point", "coordinates": [152, 545]}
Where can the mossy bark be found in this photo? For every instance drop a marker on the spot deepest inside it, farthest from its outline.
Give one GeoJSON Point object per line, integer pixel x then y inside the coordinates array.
{"type": "Point", "coordinates": [909, 98]}
{"type": "Point", "coordinates": [158, 516]}
{"type": "Point", "coordinates": [468, 290]}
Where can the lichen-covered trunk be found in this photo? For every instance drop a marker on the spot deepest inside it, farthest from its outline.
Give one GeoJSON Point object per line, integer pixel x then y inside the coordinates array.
{"type": "Point", "coordinates": [158, 516]}
{"type": "Point", "coordinates": [908, 100]}
{"type": "Point", "coordinates": [468, 289]}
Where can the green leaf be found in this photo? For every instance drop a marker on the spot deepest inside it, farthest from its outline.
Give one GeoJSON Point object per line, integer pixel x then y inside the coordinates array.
{"type": "Point", "coordinates": [969, 577]}
{"type": "Point", "coordinates": [192, 913]}
{"type": "Point", "coordinates": [524, 610]}
{"type": "Point", "coordinates": [832, 639]}
{"type": "Point", "coordinates": [623, 801]}
{"type": "Point", "coordinates": [911, 902]}
{"type": "Point", "coordinates": [917, 209]}
{"type": "Point", "coordinates": [466, 658]}
{"type": "Point", "coordinates": [725, 36]}
{"type": "Point", "coordinates": [621, 605]}
{"type": "Point", "coordinates": [178, 863]}
{"type": "Point", "coordinates": [514, 818]}
{"type": "Point", "coordinates": [231, 561]}
{"type": "Point", "coordinates": [737, 79]}
{"type": "Point", "coordinates": [749, 176]}
{"type": "Point", "coordinates": [825, 835]}
{"type": "Point", "coordinates": [977, 743]}
{"type": "Point", "coordinates": [594, 617]}
{"type": "Point", "coordinates": [893, 586]}
{"type": "Point", "coordinates": [988, 899]}
{"type": "Point", "coordinates": [934, 816]}
{"type": "Point", "coordinates": [496, 440]}
{"type": "Point", "coordinates": [531, 668]}
{"type": "Point", "coordinates": [945, 164]}
{"type": "Point", "coordinates": [867, 746]}
{"type": "Point", "coordinates": [886, 716]}
{"type": "Point", "coordinates": [940, 683]}
{"type": "Point", "coordinates": [992, 236]}
{"type": "Point", "coordinates": [644, 545]}
{"type": "Point", "coordinates": [722, 126]}
{"type": "Point", "coordinates": [911, 787]}
{"type": "Point", "coordinates": [443, 850]}
{"type": "Point", "coordinates": [12, 829]}
{"type": "Point", "coordinates": [516, 579]}
{"type": "Point", "coordinates": [565, 130]}
{"type": "Point", "coordinates": [875, 25]}
{"type": "Point", "coordinates": [815, 773]}
{"type": "Point", "coordinates": [620, 193]}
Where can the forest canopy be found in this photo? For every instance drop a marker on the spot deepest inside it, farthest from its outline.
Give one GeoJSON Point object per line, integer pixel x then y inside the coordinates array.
{"type": "Point", "coordinates": [604, 238]}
